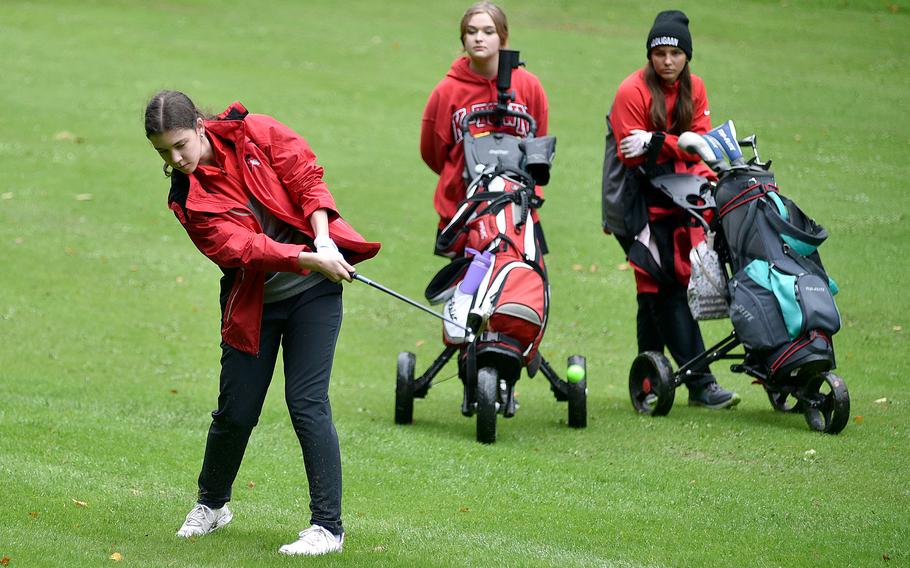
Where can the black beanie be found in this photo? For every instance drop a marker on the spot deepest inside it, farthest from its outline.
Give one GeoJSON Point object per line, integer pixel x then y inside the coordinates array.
{"type": "Point", "coordinates": [671, 27]}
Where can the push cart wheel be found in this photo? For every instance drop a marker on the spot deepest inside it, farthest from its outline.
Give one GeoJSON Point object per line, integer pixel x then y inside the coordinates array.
{"type": "Point", "coordinates": [404, 388]}
{"type": "Point", "coordinates": [651, 384]}
{"type": "Point", "coordinates": [578, 392]}
{"type": "Point", "coordinates": [783, 401]}
{"type": "Point", "coordinates": [828, 403]}
{"type": "Point", "coordinates": [487, 387]}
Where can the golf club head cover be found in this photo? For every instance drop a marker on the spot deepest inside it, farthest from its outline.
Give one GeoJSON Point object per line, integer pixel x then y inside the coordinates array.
{"type": "Point", "coordinates": [539, 153]}
{"type": "Point", "coordinates": [716, 147]}
{"type": "Point", "coordinates": [725, 135]}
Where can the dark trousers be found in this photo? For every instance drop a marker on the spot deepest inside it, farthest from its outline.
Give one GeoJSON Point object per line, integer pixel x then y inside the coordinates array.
{"type": "Point", "coordinates": [664, 320]}
{"type": "Point", "coordinates": [306, 326]}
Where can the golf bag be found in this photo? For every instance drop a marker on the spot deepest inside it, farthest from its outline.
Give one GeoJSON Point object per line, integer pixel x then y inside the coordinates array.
{"type": "Point", "coordinates": [781, 299]}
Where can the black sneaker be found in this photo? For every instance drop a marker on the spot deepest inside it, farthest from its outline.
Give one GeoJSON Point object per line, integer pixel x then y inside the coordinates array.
{"type": "Point", "coordinates": [713, 396]}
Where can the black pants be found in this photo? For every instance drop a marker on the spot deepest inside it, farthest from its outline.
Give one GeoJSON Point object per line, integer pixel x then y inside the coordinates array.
{"type": "Point", "coordinates": [664, 320]}
{"type": "Point", "coordinates": [307, 327]}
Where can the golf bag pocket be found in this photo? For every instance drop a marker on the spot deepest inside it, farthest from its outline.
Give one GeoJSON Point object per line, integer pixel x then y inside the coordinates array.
{"type": "Point", "coordinates": [755, 314]}
{"type": "Point", "coordinates": [481, 232]}
{"type": "Point", "coordinates": [457, 310]}
{"type": "Point", "coordinates": [443, 284]}
{"type": "Point", "coordinates": [817, 304]}
{"type": "Point", "coordinates": [706, 292]}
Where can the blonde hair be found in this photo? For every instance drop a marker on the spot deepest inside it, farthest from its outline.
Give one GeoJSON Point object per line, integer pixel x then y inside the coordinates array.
{"type": "Point", "coordinates": [495, 13]}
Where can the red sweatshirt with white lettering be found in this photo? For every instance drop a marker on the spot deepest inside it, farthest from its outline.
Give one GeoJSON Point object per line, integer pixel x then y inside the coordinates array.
{"type": "Point", "coordinates": [460, 92]}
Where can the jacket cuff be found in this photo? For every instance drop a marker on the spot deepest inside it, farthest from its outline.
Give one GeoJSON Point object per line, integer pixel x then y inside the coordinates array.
{"type": "Point", "coordinates": [323, 202]}
{"type": "Point", "coordinates": [290, 263]}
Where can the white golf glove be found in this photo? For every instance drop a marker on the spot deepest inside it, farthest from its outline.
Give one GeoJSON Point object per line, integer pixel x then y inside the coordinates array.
{"type": "Point", "coordinates": [635, 144]}
{"type": "Point", "coordinates": [325, 245]}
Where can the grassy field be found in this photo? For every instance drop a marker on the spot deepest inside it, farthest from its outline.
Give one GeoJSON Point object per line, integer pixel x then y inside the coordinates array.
{"type": "Point", "coordinates": [109, 316]}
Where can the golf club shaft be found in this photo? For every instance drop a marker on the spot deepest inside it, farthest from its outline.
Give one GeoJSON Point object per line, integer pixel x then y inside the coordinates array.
{"type": "Point", "coordinates": [378, 286]}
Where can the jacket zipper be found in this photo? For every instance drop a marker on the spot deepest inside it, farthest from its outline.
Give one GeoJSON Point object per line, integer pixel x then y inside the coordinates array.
{"type": "Point", "coordinates": [233, 296]}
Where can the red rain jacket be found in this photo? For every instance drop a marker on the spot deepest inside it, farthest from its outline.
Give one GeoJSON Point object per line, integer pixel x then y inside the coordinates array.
{"type": "Point", "coordinates": [280, 171]}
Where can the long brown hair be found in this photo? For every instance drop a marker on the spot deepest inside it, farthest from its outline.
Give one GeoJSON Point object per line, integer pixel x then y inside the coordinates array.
{"type": "Point", "coordinates": [682, 114]}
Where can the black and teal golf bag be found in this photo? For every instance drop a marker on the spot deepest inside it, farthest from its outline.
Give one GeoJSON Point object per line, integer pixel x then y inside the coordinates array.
{"type": "Point", "coordinates": [781, 299]}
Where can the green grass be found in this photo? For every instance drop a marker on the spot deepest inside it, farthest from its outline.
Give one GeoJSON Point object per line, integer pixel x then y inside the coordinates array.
{"type": "Point", "coordinates": [109, 316]}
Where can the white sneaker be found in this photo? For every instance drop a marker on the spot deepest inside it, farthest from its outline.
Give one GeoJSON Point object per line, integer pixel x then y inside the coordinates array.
{"type": "Point", "coordinates": [203, 520]}
{"type": "Point", "coordinates": [314, 541]}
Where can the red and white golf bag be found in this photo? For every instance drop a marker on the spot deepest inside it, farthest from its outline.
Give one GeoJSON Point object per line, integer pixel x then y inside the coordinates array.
{"type": "Point", "coordinates": [511, 302]}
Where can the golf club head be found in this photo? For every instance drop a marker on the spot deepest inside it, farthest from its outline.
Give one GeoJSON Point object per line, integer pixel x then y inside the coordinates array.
{"type": "Point", "coordinates": [752, 142]}
{"type": "Point", "coordinates": [725, 135]}
{"type": "Point", "coordinates": [697, 144]}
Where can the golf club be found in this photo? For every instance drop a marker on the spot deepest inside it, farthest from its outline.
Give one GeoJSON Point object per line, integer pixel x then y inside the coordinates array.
{"type": "Point", "coordinates": [365, 280]}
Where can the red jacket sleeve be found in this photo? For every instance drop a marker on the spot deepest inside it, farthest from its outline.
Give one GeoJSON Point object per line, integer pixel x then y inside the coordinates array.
{"type": "Point", "coordinates": [230, 244]}
{"type": "Point", "coordinates": [435, 139]}
{"type": "Point", "coordinates": [629, 112]}
{"type": "Point", "coordinates": [294, 163]}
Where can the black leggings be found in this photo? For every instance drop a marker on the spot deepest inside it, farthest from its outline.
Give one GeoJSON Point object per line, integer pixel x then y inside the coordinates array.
{"type": "Point", "coordinates": [307, 327]}
{"type": "Point", "coordinates": [664, 320]}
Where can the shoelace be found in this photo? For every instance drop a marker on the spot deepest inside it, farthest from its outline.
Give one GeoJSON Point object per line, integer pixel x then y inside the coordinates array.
{"type": "Point", "coordinates": [198, 515]}
{"type": "Point", "coordinates": [313, 535]}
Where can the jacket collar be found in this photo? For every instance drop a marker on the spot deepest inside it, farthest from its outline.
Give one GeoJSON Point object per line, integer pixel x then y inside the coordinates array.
{"type": "Point", "coordinates": [229, 124]}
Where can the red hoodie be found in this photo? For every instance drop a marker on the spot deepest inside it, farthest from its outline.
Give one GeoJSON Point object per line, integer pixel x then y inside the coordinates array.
{"type": "Point", "coordinates": [460, 92]}
{"type": "Point", "coordinates": [279, 169]}
{"type": "Point", "coordinates": [631, 111]}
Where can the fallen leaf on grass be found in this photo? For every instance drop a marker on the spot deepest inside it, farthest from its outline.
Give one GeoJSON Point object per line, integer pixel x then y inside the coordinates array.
{"type": "Point", "coordinates": [593, 268]}
{"type": "Point", "coordinates": [116, 557]}
{"type": "Point", "coordinates": [79, 503]}
{"type": "Point", "coordinates": [179, 280]}
{"type": "Point", "coordinates": [881, 400]}
{"type": "Point", "coordinates": [809, 455]}
{"type": "Point", "coordinates": [897, 328]}
{"type": "Point", "coordinates": [464, 510]}
{"type": "Point", "coordinates": [67, 136]}
{"type": "Point", "coordinates": [885, 557]}
{"type": "Point", "coordinates": [7, 195]}
{"type": "Point", "coordinates": [69, 250]}
{"type": "Point", "coordinates": [858, 419]}
{"type": "Point", "coordinates": [378, 549]}
{"type": "Point", "coordinates": [251, 485]}
{"type": "Point", "coordinates": [893, 8]}
{"type": "Point", "coordinates": [173, 391]}
{"type": "Point", "coordinates": [577, 267]}
{"type": "Point", "coordinates": [622, 266]}
{"type": "Point", "coordinates": [420, 342]}
{"type": "Point", "coordinates": [33, 514]}
{"type": "Point", "coordinates": [797, 138]}
{"type": "Point", "coordinates": [5, 561]}
{"type": "Point", "coordinates": [18, 240]}
{"type": "Point", "coordinates": [84, 197]}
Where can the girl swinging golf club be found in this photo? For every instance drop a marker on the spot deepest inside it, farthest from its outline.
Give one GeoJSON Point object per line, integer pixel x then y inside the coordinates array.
{"type": "Point", "coordinates": [248, 192]}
